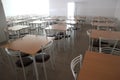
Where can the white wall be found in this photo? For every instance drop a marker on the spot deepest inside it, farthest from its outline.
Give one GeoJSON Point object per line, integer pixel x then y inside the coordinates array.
{"type": "Point", "coordinates": [58, 7]}
{"type": "Point", "coordinates": [96, 8]}
{"type": "Point", "coordinates": [84, 7]}
{"type": "Point", "coordinates": [3, 24]}
{"type": "Point", "coordinates": [26, 7]}
{"type": "Point", "coordinates": [117, 12]}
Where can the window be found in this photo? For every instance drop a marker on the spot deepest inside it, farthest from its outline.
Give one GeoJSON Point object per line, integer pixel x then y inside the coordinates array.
{"type": "Point", "coordinates": [71, 9]}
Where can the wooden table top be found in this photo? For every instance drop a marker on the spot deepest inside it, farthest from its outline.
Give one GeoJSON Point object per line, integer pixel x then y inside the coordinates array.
{"type": "Point", "coordinates": [102, 19]}
{"type": "Point", "coordinates": [61, 27]}
{"type": "Point", "coordinates": [98, 66]}
{"type": "Point", "coordinates": [18, 21]}
{"type": "Point", "coordinates": [38, 22]}
{"type": "Point", "coordinates": [105, 34]}
{"type": "Point", "coordinates": [104, 24]}
{"type": "Point", "coordinates": [71, 22]}
{"type": "Point", "coordinates": [29, 44]}
{"type": "Point", "coordinates": [17, 27]}
{"type": "Point", "coordinates": [52, 18]}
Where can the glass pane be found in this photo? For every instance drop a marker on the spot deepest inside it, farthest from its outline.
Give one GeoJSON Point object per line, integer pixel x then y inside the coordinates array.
{"type": "Point", "coordinates": [71, 9]}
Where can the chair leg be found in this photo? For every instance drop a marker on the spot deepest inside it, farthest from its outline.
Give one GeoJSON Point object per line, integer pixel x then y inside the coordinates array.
{"type": "Point", "coordinates": [91, 48]}
{"type": "Point", "coordinates": [35, 66]}
{"type": "Point", "coordinates": [44, 67]}
{"type": "Point", "coordinates": [23, 67]}
{"type": "Point", "coordinates": [52, 60]}
{"type": "Point", "coordinates": [53, 53]}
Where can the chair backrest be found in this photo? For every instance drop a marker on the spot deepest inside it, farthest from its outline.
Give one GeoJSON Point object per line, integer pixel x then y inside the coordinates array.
{"type": "Point", "coordinates": [116, 51]}
{"type": "Point", "coordinates": [74, 62]}
{"type": "Point", "coordinates": [50, 31]}
{"type": "Point", "coordinates": [44, 25]}
{"type": "Point", "coordinates": [105, 45]}
{"type": "Point", "coordinates": [12, 52]}
{"type": "Point", "coordinates": [89, 32]}
{"type": "Point", "coordinates": [47, 46]}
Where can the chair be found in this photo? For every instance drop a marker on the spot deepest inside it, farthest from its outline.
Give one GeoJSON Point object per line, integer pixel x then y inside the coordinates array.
{"type": "Point", "coordinates": [12, 34]}
{"type": "Point", "coordinates": [105, 28]}
{"type": "Point", "coordinates": [50, 33]}
{"type": "Point", "coordinates": [116, 51]}
{"type": "Point", "coordinates": [89, 32]}
{"type": "Point", "coordinates": [32, 28]}
{"type": "Point", "coordinates": [41, 27]}
{"type": "Point", "coordinates": [63, 35]}
{"type": "Point", "coordinates": [56, 34]}
{"type": "Point", "coordinates": [82, 20]}
{"type": "Point", "coordinates": [44, 55]}
{"type": "Point", "coordinates": [108, 49]}
{"type": "Point", "coordinates": [94, 43]}
{"type": "Point", "coordinates": [23, 32]}
{"type": "Point", "coordinates": [22, 62]}
{"type": "Point", "coordinates": [74, 62]}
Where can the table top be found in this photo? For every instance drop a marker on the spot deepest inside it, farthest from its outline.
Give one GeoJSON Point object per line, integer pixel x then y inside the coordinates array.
{"type": "Point", "coordinates": [17, 27]}
{"type": "Point", "coordinates": [29, 44]}
{"type": "Point", "coordinates": [80, 17]}
{"type": "Point", "coordinates": [37, 22]}
{"type": "Point", "coordinates": [102, 19]}
{"type": "Point", "coordinates": [98, 66]}
{"type": "Point", "coordinates": [51, 18]}
{"type": "Point", "coordinates": [71, 21]}
{"type": "Point", "coordinates": [105, 24]}
{"type": "Point", "coordinates": [61, 27]}
{"type": "Point", "coordinates": [18, 21]}
{"type": "Point", "coordinates": [75, 20]}
{"type": "Point", "coordinates": [105, 34]}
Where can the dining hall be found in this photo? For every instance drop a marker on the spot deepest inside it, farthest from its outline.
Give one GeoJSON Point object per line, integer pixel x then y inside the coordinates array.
{"type": "Point", "coordinates": [59, 39]}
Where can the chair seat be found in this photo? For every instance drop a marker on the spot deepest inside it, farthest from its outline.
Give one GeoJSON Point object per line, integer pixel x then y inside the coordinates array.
{"type": "Point", "coordinates": [51, 35]}
{"type": "Point", "coordinates": [39, 51]}
{"type": "Point", "coordinates": [26, 62]}
{"type": "Point", "coordinates": [117, 46]}
{"type": "Point", "coordinates": [24, 33]}
{"type": "Point", "coordinates": [67, 36]}
{"type": "Point", "coordinates": [38, 58]}
{"type": "Point", "coordinates": [58, 37]}
{"type": "Point", "coordinates": [107, 51]}
{"type": "Point", "coordinates": [24, 54]}
{"type": "Point", "coordinates": [60, 33]}
{"type": "Point", "coordinates": [96, 43]}
{"type": "Point", "coordinates": [63, 35]}
{"type": "Point", "coordinates": [32, 28]}
{"type": "Point", "coordinates": [12, 36]}
{"type": "Point", "coordinates": [75, 28]}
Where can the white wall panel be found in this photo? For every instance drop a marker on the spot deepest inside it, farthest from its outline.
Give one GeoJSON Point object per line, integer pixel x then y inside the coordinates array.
{"type": "Point", "coordinates": [117, 12]}
{"type": "Point", "coordinates": [96, 7]}
{"type": "Point", "coordinates": [84, 7]}
{"type": "Point", "coordinates": [58, 8]}
{"type": "Point", "coordinates": [3, 24]}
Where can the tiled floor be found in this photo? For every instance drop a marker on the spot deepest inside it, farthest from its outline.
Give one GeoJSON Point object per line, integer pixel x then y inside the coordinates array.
{"type": "Point", "coordinates": [78, 45]}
